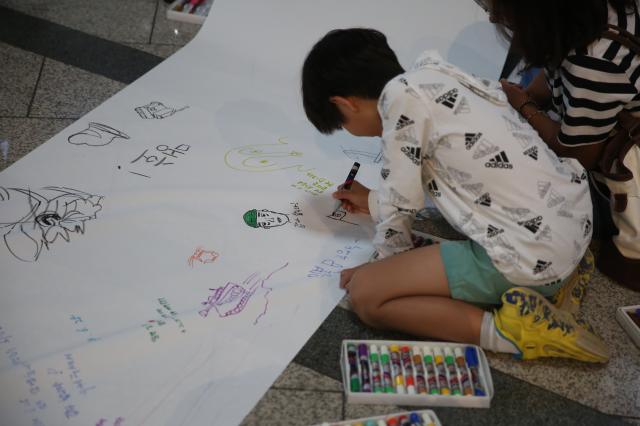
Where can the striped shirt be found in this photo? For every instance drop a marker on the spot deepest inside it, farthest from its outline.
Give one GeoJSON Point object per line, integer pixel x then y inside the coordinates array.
{"type": "Point", "coordinates": [593, 84]}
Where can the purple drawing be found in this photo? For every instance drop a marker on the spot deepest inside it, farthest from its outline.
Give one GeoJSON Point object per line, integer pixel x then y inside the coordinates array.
{"type": "Point", "coordinates": [96, 135]}
{"type": "Point", "coordinates": [232, 298]}
{"type": "Point", "coordinates": [31, 220]}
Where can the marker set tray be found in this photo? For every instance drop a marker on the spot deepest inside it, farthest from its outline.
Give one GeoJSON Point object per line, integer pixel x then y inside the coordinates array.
{"type": "Point", "coordinates": [415, 373]}
{"type": "Point", "coordinates": [181, 10]}
{"type": "Point", "coordinates": [629, 319]}
{"type": "Point", "coordinates": [419, 417]}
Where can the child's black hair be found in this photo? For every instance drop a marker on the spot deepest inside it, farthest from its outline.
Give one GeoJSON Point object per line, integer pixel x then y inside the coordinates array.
{"type": "Point", "coordinates": [346, 62]}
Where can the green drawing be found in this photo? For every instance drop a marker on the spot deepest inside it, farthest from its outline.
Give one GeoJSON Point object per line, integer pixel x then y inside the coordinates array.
{"type": "Point", "coordinates": [264, 158]}
{"type": "Point", "coordinates": [265, 218]}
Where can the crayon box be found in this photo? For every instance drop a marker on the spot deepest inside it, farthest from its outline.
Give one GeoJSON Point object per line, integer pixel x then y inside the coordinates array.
{"type": "Point", "coordinates": [629, 319]}
{"type": "Point", "coordinates": [415, 373]}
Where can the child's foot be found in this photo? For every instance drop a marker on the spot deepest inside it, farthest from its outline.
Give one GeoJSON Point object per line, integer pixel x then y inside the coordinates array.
{"type": "Point", "coordinates": [539, 329]}
{"type": "Point", "coordinates": [569, 298]}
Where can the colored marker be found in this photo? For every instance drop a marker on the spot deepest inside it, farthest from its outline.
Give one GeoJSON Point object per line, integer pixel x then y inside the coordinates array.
{"type": "Point", "coordinates": [431, 375]}
{"type": "Point", "coordinates": [417, 362]}
{"type": "Point", "coordinates": [471, 356]}
{"type": "Point", "coordinates": [405, 354]}
{"type": "Point", "coordinates": [453, 374]}
{"type": "Point", "coordinates": [354, 376]}
{"type": "Point", "coordinates": [365, 374]}
{"type": "Point", "coordinates": [376, 377]}
{"type": "Point", "coordinates": [392, 421]}
{"type": "Point", "coordinates": [442, 373]}
{"type": "Point", "coordinates": [382, 423]}
{"type": "Point", "coordinates": [348, 181]}
{"type": "Point", "coordinates": [387, 380]}
{"type": "Point", "coordinates": [370, 423]}
{"type": "Point", "coordinates": [404, 420]}
{"type": "Point", "coordinates": [465, 380]}
{"type": "Point", "coordinates": [428, 420]}
{"type": "Point", "coordinates": [396, 368]}
{"type": "Point", "coordinates": [415, 420]}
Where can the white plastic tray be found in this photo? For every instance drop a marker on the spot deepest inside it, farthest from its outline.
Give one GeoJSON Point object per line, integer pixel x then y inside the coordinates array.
{"type": "Point", "coordinates": [435, 421]}
{"type": "Point", "coordinates": [470, 401]}
{"type": "Point", "coordinates": [627, 323]}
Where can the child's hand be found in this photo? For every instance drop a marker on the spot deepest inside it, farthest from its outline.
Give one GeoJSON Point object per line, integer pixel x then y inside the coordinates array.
{"type": "Point", "coordinates": [345, 277]}
{"type": "Point", "coordinates": [354, 200]}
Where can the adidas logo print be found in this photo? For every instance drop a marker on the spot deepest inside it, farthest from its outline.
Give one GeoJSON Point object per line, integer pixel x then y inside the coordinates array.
{"type": "Point", "coordinates": [470, 139]}
{"type": "Point", "coordinates": [484, 148]}
{"type": "Point", "coordinates": [412, 92]}
{"type": "Point", "coordinates": [473, 188]}
{"type": "Point", "coordinates": [409, 211]}
{"type": "Point", "coordinates": [413, 153]}
{"type": "Point", "coordinates": [575, 178]}
{"type": "Point", "coordinates": [541, 266]}
{"type": "Point", "coordinates": [433, 188]}
{"type": "Point", "coordinates": [586, 223]}
{"type": "Point", "coordinates": [500, 161]}
{"type": "Point", "coordinates": [512, 126]}
{"type": "Point", "coordinates": [407, 135]}
{"type": "Point", "coordinates": [403, 81]}
{"type": "Point", "coordinates": [463, 107]}
{"type": "Point", "coordinates": [431, 90]}
{"type": "Point", "coordinates": [532, 225]}
{"type": "Point", "coordinates": [403, 122]}
{"type": "Point", "coordinates": [543, 187]}
{"type": "Point", "coordinates": [390, 233]}
{"type": "Point", "coordinates": [448, 99]}
{"type": "Point", "coordinates": [385, 173]}
{"type": "Point", "coordinates": [554, 199]}
{"type": "Point", "coordinates": [532, 152]}
{"type": "Point", "coordinates": [516, 213]}
{"type": "Point", "coordinates": [492, 231]}
{"type": "Point", "coordinates": [545, 234]}
{"type": "Point", "coordinates": [524, 139]}
{"type": "Point", "coordinates": [484, 200]}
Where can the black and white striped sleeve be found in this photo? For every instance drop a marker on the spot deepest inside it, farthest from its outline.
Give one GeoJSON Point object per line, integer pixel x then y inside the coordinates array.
{"type": "Point", "coordinates": [594, 91]}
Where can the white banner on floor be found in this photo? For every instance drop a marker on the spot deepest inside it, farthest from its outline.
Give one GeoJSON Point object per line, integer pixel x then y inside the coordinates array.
{"type": "Point", "coordinates": [165, 257]}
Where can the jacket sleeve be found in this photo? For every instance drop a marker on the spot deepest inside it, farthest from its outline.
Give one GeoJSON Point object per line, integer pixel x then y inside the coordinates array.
{"type": "Point", "coordinates": [405, 122]}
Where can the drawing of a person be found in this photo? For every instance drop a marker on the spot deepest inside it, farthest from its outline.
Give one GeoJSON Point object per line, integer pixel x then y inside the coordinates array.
{"type": "Point", "coordinates": [264, 218]}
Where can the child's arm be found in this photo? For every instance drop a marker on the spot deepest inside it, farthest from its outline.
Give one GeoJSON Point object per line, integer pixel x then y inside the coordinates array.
{"type": "Point", "coordinates": [400, 195]}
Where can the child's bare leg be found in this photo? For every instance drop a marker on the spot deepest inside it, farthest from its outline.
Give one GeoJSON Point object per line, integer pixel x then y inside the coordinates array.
{"type": "Point", "coordinates": [409, 293]}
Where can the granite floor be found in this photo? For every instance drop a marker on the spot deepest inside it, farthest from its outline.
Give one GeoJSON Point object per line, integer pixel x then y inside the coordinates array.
{"type": "Point", "coordinates": [100, 47]}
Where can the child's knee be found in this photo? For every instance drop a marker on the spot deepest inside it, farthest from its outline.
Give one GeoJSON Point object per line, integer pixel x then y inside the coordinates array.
{"type": "Point", "coordinates": [363, 301]}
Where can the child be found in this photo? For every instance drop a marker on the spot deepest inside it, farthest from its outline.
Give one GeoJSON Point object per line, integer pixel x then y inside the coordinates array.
{"type": "Point", "coordinates": [526, 212]}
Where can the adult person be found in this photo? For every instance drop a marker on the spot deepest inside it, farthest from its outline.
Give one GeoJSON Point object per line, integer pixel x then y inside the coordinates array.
{"type": "Point", "coordinates": [588, 80]}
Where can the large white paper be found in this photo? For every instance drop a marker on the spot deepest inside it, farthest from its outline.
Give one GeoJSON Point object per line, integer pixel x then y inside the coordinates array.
{"type": "Point", "coordinates": [164, 257]}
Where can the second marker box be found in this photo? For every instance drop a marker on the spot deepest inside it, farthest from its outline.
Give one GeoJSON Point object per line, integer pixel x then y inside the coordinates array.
{"type": "Point", "coordinates": [416, 373]}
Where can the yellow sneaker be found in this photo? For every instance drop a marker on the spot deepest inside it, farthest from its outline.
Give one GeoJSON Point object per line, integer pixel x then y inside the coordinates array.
{"type": "Point", "coordinates": [539, 329]}
{"type": "Point", "coordinates": [569, 298]}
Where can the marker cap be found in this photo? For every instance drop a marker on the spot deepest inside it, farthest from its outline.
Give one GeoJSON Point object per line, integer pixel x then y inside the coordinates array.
{"type": "Point", "coordinates": [428, 355]}
{"type": "Point", "coordinates": [393, 421]}
{"type": "Point", "coordinates": [382, 423]}
{"type": "Point", "coordinates": [458, 352]}
{"type": "Point", "coordinates": [448, 355]}
{"type": "Point", "coordinates": [416, 351]}
{"type": "Point", "coordinates": [414, 418]}
{"type": "Point", "coordinates": [394, 348]}
{"type": "Point", "coordinates": [437, 354]}
{"type": "Point", "coordinates": [384, 354]}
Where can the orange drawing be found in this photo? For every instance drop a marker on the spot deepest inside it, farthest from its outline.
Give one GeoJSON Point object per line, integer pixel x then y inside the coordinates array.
{"type": "Point", "coordinates": [203, 256]}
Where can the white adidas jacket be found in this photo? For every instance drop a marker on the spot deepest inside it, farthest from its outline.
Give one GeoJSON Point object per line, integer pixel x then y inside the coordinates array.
{"type": "Point", "coordinates": [455, 137]}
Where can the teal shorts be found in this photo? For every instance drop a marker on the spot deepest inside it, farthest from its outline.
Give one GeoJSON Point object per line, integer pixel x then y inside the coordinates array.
{"type": "Point", "coordinates": [473, 278]}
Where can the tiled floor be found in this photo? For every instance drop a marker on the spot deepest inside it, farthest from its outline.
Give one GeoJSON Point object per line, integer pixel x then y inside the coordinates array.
{"type": "Point", "coordinates": [44, 88]}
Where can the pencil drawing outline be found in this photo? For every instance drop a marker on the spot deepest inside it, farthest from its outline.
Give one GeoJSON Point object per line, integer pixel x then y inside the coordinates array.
{"type": "Point", "coordinates": [157, 110]}
{"type": "Point", "coordinates": [254, 158]}
{"type": "Point", "coordinates": [96, 134]}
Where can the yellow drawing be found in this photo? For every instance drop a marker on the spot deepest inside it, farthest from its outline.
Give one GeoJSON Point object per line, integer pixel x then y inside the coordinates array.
{"type": "Point", "coordinates": [264, 158]}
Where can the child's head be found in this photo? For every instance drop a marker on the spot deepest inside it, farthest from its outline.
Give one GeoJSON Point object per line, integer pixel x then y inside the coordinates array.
{"type": "Point", "coordinates": [343, 65]}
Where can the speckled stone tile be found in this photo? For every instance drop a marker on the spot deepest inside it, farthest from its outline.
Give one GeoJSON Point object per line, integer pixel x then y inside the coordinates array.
{"type": "Point", "coordinates": [115, 20]}
{"type": "Point", "coordinates": [635, 422]}
{"type": "Point", "coordinates": [358, 411]}
{"type": "Point", "coordinates": [18, 77]}
{"type": "Point", "coordinates": [161, 50]}
{"type": "Point", "coordinates": [68, 92]}
{"type": "Point", "coordinates": [26, 134]}
{"type": "Point", "coordinates": [285, 407]}
{"type": "Point", "coordinates": [298, 377]}
{"type": "Point", "coordinates": [612, 388]}
{"type": "Point", "coordinates": [167, 31]}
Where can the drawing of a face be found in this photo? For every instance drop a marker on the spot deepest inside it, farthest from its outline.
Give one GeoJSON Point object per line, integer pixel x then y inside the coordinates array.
{"type": "Point", "coordinates": [263, 157]}
{"type": "Point", "coordinates": [265, 218]}
{"type": "Point", "coordinates": [32, 220]}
